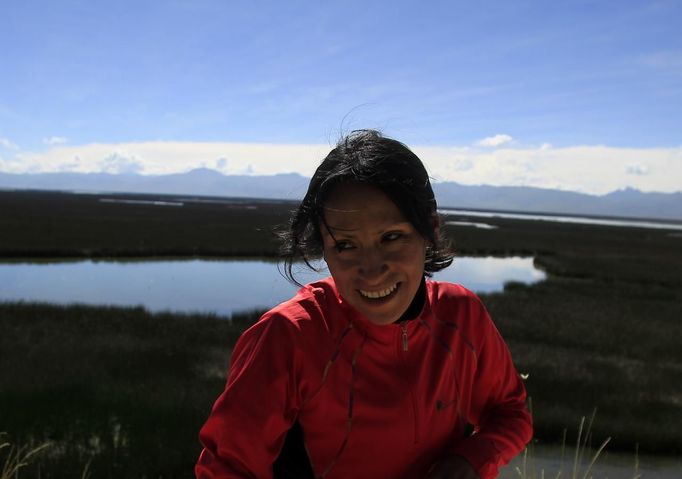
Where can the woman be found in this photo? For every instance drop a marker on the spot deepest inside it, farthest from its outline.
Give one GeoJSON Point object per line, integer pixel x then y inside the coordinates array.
{"type": "Point", "coordinates": [384, 373]}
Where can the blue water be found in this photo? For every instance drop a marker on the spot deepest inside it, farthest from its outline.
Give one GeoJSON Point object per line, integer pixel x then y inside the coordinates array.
{"type": "Point", "coordinates": [221, 287]}
{"type": "Point", "coordinates": [652, 224]}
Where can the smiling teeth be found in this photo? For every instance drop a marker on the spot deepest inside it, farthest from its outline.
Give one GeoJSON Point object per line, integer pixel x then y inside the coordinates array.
{"type": "Point", "coordinates": [378, 294]}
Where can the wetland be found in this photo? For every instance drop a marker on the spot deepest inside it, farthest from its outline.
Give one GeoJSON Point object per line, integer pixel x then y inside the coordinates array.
{"type": "Point", "coordinates": [125, 390]}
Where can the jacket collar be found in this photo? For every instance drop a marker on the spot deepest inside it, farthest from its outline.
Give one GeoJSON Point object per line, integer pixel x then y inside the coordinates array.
{"type": "Point", "coordinates": [419, 308]}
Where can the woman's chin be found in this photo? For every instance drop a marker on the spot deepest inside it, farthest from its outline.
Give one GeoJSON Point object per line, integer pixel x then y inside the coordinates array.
{"type": "Point", "coordinates": [384, 310]}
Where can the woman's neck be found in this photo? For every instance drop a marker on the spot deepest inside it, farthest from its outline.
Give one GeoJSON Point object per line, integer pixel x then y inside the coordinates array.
{"type": "Point", "coordinates": [417, 304]}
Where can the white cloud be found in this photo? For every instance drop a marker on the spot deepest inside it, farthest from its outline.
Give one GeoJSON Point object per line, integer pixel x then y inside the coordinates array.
{"type": "Point", "coordinates": [589, 169]}
{"type": "Point", "coordinates": [54, 140]}
{"type": "Point", "coordinates": [495, 141]}
{"type": "Point", "coordinates": [157, 158]}
{"type": "Point", "coordinates": [221, 164]}
{"type": "Point", "coordinates": [637, 170]}
{"type": "Point", "coordinates": [64, 168]}
{"type": "Point", "coordinates": [120, 163]}
{"type": "Point", "coordinates": [461, 163]}
{"type": "Point", "coordinates": [5, 143]}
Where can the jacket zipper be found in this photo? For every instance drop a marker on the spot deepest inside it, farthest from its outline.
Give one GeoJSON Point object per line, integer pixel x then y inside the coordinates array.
{"type": "Point", "coordinates": [403, 337]}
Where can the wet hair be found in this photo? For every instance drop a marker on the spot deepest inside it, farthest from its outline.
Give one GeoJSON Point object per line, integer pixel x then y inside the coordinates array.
{"type": "Point", "coordinates": [368, 158]}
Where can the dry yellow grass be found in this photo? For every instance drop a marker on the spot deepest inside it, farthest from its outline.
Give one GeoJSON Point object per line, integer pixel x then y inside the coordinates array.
{"type": "Point", "coordinates": [15, 457]}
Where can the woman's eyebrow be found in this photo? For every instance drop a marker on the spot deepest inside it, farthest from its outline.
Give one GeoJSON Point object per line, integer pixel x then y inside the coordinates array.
{"type": "Point", "coordinates": [380, 229]}
{"type": "Point", "coordinates": [337, 228]}
{"type": "Point", "coordinates": [339, 210]}
{"type": "Point", "coordinates": [329, 229]}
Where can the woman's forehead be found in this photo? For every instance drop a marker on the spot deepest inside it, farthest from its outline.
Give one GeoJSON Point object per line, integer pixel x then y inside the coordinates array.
{"type": "Point", "coordinates": [360, 207]}
{"type": "Point", "coordinates": [353, 196]}
{"type": "Point", "coordinates": [365, 223]}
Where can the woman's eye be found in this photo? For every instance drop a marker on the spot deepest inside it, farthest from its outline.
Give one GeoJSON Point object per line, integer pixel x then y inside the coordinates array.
{"type": "Point", "coordinates": [343, 246]}
{"type": "Point", "coordinates": [392, 236]}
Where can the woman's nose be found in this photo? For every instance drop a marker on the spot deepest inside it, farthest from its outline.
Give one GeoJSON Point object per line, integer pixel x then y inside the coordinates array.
{"type": "Point", "coordinates": [373, 263]}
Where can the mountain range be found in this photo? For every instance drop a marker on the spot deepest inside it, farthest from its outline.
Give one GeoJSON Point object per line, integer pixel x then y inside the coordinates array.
{"type": "Point", "coordinates": [627, 203]}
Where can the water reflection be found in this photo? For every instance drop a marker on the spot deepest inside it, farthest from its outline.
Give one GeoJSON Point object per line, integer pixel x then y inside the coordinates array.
{"type": "Point", "coordinates": [653, 224]}
{"type": "Point", "coordinates": [141, 202]}
{"type": "Point", "coordinates": [221, 287]}
{"type": "Point", "coordinates": [484, 226]}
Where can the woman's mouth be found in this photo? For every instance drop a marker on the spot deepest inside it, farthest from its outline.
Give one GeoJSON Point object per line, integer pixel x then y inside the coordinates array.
{"type": "Point", "coordinates": [380, 294]}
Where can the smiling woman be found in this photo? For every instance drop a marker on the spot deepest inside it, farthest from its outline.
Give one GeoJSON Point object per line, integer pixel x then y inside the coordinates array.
{"type": "Point", "coordinates": [374, 254]}
{"type": "Point", "coordinates": [374, 372]}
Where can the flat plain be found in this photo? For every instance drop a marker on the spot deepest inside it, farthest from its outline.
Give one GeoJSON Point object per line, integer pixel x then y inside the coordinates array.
{"type": "Point", "coordinates": [126, 391]}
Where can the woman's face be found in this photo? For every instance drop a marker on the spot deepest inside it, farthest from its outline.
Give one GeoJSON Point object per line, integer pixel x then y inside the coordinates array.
{"type": "Point", "coordinates": [373, 252]}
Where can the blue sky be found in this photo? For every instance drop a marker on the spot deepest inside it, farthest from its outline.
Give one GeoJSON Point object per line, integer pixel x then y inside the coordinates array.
{"type": "Point", "coordinates": [498, 92]}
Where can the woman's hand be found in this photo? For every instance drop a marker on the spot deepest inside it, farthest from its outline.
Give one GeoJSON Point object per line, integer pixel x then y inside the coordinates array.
{"type": "Point", "coordinates": [452, 467]}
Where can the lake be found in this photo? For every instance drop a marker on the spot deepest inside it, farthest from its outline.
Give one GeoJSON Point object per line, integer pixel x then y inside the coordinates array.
{"type": "Point", "coordinates": [583, 220]}
{"type": "Point", "coordinates": [179, 202]}
{"type": "Point", "coordinates": [216, 286]}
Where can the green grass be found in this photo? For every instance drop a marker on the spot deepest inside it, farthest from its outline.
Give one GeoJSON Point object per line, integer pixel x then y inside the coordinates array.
{"type": "Point", "coordinates": [118, 388]}
{"type": "Point", "coordinates": [48, 224]}
{"type": "Point", "coordinates": [598, 345]}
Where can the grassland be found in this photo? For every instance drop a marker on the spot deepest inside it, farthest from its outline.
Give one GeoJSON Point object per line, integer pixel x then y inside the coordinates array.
{"type": "Point", "coordinates": [78, 226]}
{"type": "Point", "coordinates": [119, 388]}
{"type": "Point", "coordinates": [128, 390]}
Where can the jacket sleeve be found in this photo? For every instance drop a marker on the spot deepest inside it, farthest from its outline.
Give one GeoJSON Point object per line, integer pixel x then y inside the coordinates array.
{"type": "Point", "coordinates": [503, 424]}
{"type": "Point", "coordinates": [248, 423]}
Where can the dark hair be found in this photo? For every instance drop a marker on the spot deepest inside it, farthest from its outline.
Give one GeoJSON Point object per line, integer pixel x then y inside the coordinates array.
{"type": "Point", "coordinates": [366, 157]}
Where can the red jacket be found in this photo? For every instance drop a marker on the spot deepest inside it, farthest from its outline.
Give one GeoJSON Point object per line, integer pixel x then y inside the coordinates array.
{"type": "Point", "coordinates": [373, 401]}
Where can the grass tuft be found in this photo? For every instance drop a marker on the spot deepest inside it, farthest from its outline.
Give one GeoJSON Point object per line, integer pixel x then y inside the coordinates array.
{"type": "Point", "coordinates": [584, 458]}
{"type": "Point", "coordinates": [15, 457]}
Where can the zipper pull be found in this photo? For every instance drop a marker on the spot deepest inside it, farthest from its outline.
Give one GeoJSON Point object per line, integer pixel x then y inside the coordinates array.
{"type": "Point", "coordinates": [403, 328]}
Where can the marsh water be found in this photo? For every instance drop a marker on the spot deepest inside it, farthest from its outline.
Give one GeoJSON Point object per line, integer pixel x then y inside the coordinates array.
{"type": "Point", "coordinates": [216, 286]}
{"type": "Point", "coordinates": [582, 220]}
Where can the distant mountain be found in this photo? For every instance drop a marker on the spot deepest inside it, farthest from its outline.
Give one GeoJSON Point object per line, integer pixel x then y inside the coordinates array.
{"type": "Point", "coordinates": [201, 181]}
{"type": "Point", "coordinates": [628, 203]}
